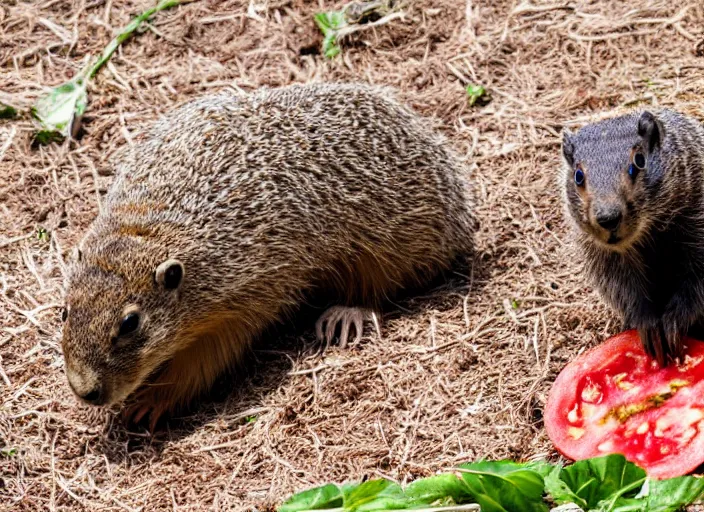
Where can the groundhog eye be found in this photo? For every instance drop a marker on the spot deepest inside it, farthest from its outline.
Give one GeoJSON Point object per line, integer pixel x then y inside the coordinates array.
{"type": "Point", "coordinates": [64, 314]}
{"type": "Point", "coordinates": [579, 177]}
{"type": "Point", "coordinates": [129, 324]}
{"type": "Point", "coordinates": [639, 161]}
{"type": "Point", "coordinates": [172, 277]}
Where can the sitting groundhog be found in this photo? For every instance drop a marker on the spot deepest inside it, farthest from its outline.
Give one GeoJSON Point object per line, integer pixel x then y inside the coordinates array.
{"type": "Point", "coordinates": [633, 188]}
{"type": "Point", "coordinates": [231, 211]}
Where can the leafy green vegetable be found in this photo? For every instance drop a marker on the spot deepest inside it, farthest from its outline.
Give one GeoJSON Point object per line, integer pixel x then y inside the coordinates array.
{"type": "Point", "coordinates": [375, 495]}
{"type": "Point", "coordinates": [673, 494]}
{"type": "Point", "coordinates": [58, 113]}
{"type": "Point", "coordinates": [590, 481]}
{"type": "Point", "coordinates": [604, 484]}
{"type": "Point", "coordinates": [504, 486]}
{"type": "Point", "coordinates": [475, 93]}
{"type": "Point", "coordinates": [560, 491]}
{"type": "Point", "coordinates": [325, 497]}
{"type": "Point", "coordinates": [447, 488]}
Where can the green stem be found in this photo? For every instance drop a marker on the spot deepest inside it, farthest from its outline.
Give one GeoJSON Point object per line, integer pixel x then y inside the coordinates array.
{"type": "Point", "coordinates": [624, 490]}
{"type": "Point", "coordinates": [128, 30]}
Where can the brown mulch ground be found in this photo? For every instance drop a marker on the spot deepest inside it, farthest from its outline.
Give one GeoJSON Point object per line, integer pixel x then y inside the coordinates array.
{"type": "Point", "coordinates": [459, 374]}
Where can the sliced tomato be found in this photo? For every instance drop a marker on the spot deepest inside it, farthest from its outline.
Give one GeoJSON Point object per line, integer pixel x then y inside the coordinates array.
{"type": "Point", "coordinates": [615, 399]}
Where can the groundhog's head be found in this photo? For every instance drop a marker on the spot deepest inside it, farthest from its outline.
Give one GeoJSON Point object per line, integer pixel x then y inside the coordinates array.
{"type": "Point", "coordinates": [119, 313]}
{"type": "Point", "coordinates": [612, 169]}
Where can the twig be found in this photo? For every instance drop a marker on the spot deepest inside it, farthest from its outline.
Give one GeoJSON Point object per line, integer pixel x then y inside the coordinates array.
{"type": "Point", "coordinates": [349, 29]}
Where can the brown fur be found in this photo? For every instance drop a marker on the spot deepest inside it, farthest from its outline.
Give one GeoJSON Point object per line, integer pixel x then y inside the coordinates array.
{"type": "Point", "coordinates": [262, 200]}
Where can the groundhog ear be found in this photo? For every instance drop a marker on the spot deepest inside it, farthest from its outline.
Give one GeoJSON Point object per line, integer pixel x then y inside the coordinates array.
{"type": "Point", "coordinates": [651, 130]}
{"type": "Point", "coordinates": [169, 274]}
{"type": "Point", "coordinates": [568, 146]}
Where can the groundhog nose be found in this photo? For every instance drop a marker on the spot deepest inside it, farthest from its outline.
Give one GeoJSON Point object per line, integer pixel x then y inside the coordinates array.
{"type": "Point", "coordinates": [94, 396]}
{"type": "Point", "coordinates": [87, 384]}
{"type": "Point", "coordinates": [609, 220]}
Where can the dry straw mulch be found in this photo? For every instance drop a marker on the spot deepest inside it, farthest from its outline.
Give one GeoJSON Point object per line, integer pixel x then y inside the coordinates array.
{"type": "Point", "coordinates": [458, 374]}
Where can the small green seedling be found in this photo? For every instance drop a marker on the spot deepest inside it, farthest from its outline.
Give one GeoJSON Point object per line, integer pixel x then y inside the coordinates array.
{"type": "Point", "coordinates": [42, 234]}
{"type": "Point", "coordinates": [475, 93]}
{"type": "Point", "coordinates": [58, 113]}
{"type": "Point", "coordinates": [353, 17]}
{"type": "Point", "coordinates": [8, 452]}
{"type": "Point", "coordinates": [329, 24]}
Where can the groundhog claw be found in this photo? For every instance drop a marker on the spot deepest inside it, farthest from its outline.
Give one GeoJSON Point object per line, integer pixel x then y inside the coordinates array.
{"type": "Point", "coordinates": [135, 413]}
{"type": "Point", "coordinates": [345, 317]}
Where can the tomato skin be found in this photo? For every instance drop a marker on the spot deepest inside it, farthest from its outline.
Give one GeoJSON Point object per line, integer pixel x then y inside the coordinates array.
{"type": "Point", "coordinates": [615, 399]}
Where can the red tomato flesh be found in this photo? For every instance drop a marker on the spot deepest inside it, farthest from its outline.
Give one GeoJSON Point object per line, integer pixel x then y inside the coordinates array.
{"type": "Point", "coordinates": [615, 399]}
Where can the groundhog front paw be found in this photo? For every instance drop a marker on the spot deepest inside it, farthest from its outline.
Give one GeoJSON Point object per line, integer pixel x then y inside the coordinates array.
{"type": "Point", "coordinates": [346, 318]}
{"type": "Point", "coordinates": [145, 406]}
{"type": "Point", "coordinates": [662, 341]}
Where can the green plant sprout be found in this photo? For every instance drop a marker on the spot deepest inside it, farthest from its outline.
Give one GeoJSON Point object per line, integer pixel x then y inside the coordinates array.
{"type": "Point", "coordinates": [42, 234]}
{"type": "Point", "coordinates": [8, 452]}
{"type": "Point", "coordinates": [475, 93]}
{"type": "Point", "coordinates": [59, 112]}
{"type": "Point", "coordinates": [603, 484]}
{"type": "Point", "coordinates": [351, 18]}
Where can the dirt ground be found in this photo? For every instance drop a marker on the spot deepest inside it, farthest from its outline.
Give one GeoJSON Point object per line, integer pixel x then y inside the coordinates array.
{"type": "Point", "coordinates": [458, 374]}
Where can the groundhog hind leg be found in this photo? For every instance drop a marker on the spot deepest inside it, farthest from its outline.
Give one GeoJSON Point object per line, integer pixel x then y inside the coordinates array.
{"type": "Point", "coordinates": [346, 318]}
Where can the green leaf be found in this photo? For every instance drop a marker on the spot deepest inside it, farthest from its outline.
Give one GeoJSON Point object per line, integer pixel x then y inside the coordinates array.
{"type": "Point", "coordinates": [7, 111]}
{"type": "Point", "coordinates": [327, 496]}
{"type": "Point", "coordinates": [589, 482]}
{"type": "Point", "coordinates": [541, 467]}
{"type": "Point", "coordinates": [560, 492]}
{"type": "Point", "coordinates": [474, 93]}
{"type": "Point", "coordinates": [57, 111]}
{"type": "Point", "coordinates": [329, 23]}
{"type": "Point", "coordinates": [504, 486]}
{"type": "Point", "coordinates": [440, 488]}
{"type": "Point", "coordinates": [374, 495]}
{"type": "Point", "coordinates": [673, 494]}
{"type": "Point", "coordinates": [330, 46]}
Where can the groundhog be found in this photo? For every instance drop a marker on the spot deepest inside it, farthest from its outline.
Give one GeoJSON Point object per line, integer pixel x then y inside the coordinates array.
{"type": "Point", "coordinates": [233, 210]}
{"type": "Point", "coordinates": [633, 187]}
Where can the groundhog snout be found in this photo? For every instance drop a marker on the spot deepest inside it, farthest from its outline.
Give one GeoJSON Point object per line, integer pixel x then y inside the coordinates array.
{"type": "Point", "coordinates": [610, 219]}
{"type": "Point", "coordinates": [87, 385]}
{"type": "Point", "coordinates": [610, 223]}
